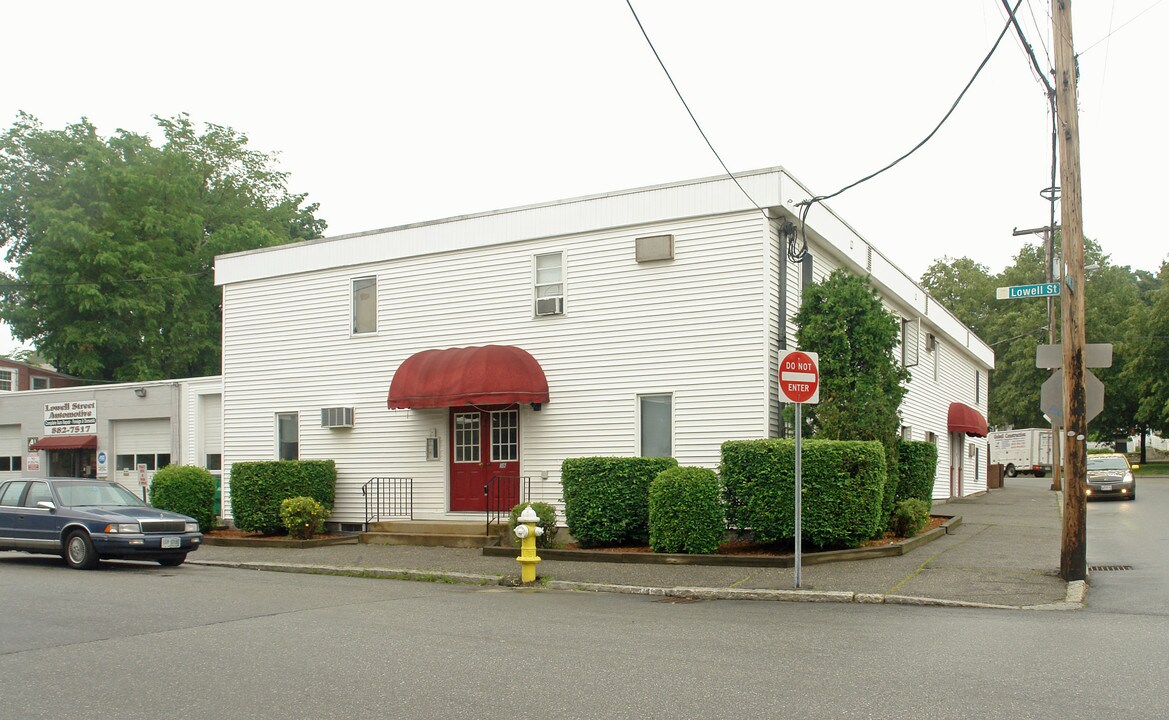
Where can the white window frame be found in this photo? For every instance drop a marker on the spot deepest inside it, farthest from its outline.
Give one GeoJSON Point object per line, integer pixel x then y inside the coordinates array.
{"type": "Point", "coordinates": [544, 288]}
{"type": "Point", "coordinates": [354, 317]}
{"type": "Point", "coordinates": [9, 379]}
{"type": "Point", "coordinates": [295, 416]}
{"type": "Point", "coordinates": [641, 397]}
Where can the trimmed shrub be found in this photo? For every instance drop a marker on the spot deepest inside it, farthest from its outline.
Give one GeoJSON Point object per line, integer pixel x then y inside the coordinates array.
{"type": "Point", "coordinates": [917, 466]}
{"type": "Point", "coordinates": [547, 515]}
{"type": "Point", "coordinates": [258, 488]}
{"type": "Point", "coordinates": [303, 516]}
{"type": "Point", "coordinates": [187, 490]}
{"type": "Point", "coordinates": [909, 517]}
{"type": "Point", "coordinates": [685, 511]}
{"type": "Point", "coordinates": [843, 486]}
{"type": "Point", "coordinates": [606, 499]}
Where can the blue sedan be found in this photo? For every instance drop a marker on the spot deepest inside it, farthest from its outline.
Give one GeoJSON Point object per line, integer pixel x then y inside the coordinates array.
{"type": "Point", "coordinates": [85, 521]}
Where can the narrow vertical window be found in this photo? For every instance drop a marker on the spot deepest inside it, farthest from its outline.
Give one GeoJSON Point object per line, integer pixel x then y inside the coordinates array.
{"type": "Point", "coordinates": [548, 283]}
{"type": "Point", "coordinates": [977, 386]}
{"type": "Point", "coordinates": [364, 305]}
{"type": "Point", "coordinates": [287, 436]}
{"type": "Point", "coordinates": [656, 425]}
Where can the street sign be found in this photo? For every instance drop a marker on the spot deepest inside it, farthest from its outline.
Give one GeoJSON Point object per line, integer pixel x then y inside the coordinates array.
{"type": "Point", "coordinates": [1051, 397]}
{"type": "Point", "coordinates": [799, 377]}
{"type": "Point", "coordinates": [1027, 291]}
{"type": "Point", "coordinates": [1095, 355]}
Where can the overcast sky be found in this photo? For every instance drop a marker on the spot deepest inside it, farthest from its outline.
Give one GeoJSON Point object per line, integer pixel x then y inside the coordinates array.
{"type": "Point", "coordinates": [397, 112]}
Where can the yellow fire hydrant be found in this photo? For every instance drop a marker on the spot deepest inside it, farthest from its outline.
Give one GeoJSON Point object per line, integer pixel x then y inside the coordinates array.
{"type": "Point", "coordinates": [527, 532]}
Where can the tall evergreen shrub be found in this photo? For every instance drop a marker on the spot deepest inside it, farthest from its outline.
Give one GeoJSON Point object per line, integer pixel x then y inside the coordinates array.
{"type": "Point", "coordinates": [685, 511]}
{"type": "Point", "coordinates": [187, 490]}
{"type": "Point", "coordinates": [258, 488]}
{"type": "Point", "coordinates": [606, 499]}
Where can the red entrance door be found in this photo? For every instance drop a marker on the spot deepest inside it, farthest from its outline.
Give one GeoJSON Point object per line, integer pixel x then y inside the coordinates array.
{"type": "Point", "coordinates": [485, 444]}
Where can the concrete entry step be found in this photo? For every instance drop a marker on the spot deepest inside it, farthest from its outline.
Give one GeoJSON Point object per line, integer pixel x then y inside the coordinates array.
{"type": "Point", "coordinates": [431, 533]}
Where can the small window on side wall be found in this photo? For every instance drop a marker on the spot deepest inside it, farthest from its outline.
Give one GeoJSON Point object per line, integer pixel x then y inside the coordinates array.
{"type": "Point", "coordinates": [287, 436]}
{"type": "Point", "coordinates": [655, 420]}
{"type": "Point", "coordinates": [548, 283]}
{"type": "Point", "coordinates": [364, 305]}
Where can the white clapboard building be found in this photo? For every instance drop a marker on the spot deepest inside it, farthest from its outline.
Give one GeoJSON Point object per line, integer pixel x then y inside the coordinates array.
{"type": "Point", "coordinates": [638, 322]}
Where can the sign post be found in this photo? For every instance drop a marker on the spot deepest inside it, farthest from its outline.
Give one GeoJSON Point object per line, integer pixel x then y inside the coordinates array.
{"type": "Point", "coordinates": [799, 383]}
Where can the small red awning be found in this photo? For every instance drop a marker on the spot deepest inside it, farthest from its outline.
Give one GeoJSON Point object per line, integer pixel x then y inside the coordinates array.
{"type": "Point", "coordinates": [963, 418]}
{"type": "Point", "coordinates": [65, 442]}
{"type": "Point", "coordinates": [487, 375]}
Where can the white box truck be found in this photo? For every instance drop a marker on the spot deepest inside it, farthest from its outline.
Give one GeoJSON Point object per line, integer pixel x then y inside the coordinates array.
{"type": "Point", "coordinates": [1026, 451]}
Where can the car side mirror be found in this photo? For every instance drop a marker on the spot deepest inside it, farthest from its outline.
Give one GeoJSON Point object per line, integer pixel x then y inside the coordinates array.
{"type": "Point", "coordinates": [46, 504]}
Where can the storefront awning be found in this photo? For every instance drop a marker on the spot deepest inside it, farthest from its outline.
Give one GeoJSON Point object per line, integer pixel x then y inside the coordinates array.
{"type": "Point", "coordinates": [65, 442]}
{"type": "Point", "coordinates": [488, 375]}
{"type": "Point", "coordinates": [965, 419]}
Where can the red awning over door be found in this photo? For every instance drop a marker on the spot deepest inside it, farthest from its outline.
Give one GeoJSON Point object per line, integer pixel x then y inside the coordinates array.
{"type": "Point", "coordinates": [965, 419]}
{"type": "Point", "coordinates": [487, 375]}
{"type": "Point", "coordinates": [65, 442]}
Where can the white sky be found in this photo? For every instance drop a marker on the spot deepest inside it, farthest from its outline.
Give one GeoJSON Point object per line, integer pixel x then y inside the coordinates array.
{"type": "Point", "coordinates": [403, 111]}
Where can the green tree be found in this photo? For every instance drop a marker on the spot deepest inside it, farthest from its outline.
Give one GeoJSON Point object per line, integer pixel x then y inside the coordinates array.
{"type": "Point", "coordinates": [112, 241]}
{"type": "Point", "coordinates": [862, 382]}
{"type": "Point", "coordinates": [1149, 368]}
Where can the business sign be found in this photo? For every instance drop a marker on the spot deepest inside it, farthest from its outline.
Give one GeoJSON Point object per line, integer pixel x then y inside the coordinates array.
{"type": "Point", "coordinates": [103, 464]}
{"type": "Point", "coordinates": [71, 418]}
{"type": "Point", "coordinates": [1027, 291]}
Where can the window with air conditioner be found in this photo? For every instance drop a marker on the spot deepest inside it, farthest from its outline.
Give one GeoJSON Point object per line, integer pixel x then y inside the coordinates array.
{"type": "Point", "coordinates": [548, 283]}
{"type": "Point", "coordinates": [337, 417]}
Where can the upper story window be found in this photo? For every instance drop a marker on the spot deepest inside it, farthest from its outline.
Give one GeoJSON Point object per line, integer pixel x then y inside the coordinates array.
{"type": "Point", "coordinates": [364, 305]}
{"type": "Point", "coordinates": [287, 436]}
{"type": "Point", "coordinates": [977, 386]}
{"type": "Point", "coordinates": [548, 283]}
{"type": "Point", "coordinates": [7, 380]}
{"type": "Point", "coordinates": [910, 332]}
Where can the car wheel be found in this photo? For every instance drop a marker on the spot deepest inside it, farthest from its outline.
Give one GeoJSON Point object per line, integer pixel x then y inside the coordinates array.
{"type": "Point", "coordinates": [174, 561]}
{"type": "Point", "coordinates": [79, 552]}
{"type": "Point", "coordinates": [1011, 471]}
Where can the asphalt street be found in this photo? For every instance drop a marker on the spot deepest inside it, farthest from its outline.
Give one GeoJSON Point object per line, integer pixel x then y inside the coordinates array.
{"type": "Point", "coordinates": [1128, 551]}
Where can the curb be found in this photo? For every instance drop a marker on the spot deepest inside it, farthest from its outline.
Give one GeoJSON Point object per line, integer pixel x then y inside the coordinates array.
{"type": "Point", "coordinates": [1073, 601]}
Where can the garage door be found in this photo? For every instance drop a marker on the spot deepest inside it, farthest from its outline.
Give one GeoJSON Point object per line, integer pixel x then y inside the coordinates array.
{"type": "Point", "coordinates": [139, 442]}
{"type": "Point", "coordinates": [11, 449]}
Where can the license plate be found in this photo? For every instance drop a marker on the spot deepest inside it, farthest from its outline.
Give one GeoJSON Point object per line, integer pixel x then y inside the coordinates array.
{"type": "Point", "coordinates": [171, 542]}
{"type": "Point", "coordinates": [1106, 488]}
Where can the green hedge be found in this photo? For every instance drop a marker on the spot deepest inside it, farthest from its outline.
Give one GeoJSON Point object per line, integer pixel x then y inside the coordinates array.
{"type": "Point", "coordinates": [685, 511]}
{"type": "Point", "coordinates": [258, 488]}
{"type": "Point", "coordinates": [606, 499]}
{"type": "Point", "coordinates": [843, 488]}
{"type": "Point", "coordinates": [187, 490]}
{"type": "Point", "coordinates": [917, 465]}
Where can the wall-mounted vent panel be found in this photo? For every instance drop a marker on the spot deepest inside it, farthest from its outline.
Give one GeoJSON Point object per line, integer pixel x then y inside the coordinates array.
{"type": "Point", "coordinates": [655, 247]}
{"type": "Point", "coordinates": [337, 417]}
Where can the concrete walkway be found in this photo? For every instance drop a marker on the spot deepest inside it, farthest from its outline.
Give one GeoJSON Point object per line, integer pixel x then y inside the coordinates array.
{"type": "Point", "coordinates": [1005, 553]}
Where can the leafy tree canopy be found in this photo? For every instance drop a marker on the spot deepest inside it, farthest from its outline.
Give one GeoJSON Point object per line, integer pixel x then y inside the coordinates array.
{"type": "Point", "coordinates": [1117, 306]}
{"type": "Point", "coordinates": [112, 241]}
{"type": "Point", "coordinates": [862, 382]}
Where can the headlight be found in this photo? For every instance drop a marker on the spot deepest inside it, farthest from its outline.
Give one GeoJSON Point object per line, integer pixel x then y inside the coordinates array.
{"type": "Point", "coordinates": [123, 528]}
{"type": "Point", "coordinates": [191, 527]}
{"type": "Point", "coordinates": [1127, 477]}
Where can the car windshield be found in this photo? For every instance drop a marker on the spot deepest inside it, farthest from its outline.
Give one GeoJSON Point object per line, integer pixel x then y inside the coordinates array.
{"type": "Point", "coordinates": [97, 494]}
{"type": "Point", "coordinates": [1107, 463]}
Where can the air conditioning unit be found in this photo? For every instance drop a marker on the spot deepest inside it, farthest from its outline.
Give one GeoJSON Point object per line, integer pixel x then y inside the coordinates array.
{"type": "Point", "coordinates": [337, 417]}
{"type": "Point", "coordinates": [550, 306]}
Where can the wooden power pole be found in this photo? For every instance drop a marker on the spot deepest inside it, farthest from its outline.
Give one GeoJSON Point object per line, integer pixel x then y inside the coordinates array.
{"type": "Point", "coordinates": [1073, 551]}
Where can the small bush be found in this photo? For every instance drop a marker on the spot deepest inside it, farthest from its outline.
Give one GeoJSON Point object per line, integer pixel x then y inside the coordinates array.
{"type": "Point", "coordinates": [547, 515]}
{"type": "Point", "coordinates": [187, 490]}
{"type": "Point", "coordinates": [303, 516]}
{"type": "Point", "coordinates": [258, 488]}
{"type": "Point", "coordinates": [685, 511]}
{"type": "Point", "coordinates": [909, 517]}
{"type": "Point", "coordinates": [606, 499]}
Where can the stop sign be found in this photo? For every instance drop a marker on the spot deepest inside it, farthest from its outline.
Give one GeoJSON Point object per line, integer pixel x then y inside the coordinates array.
{"type": "Point", "coordinates": [799, 377]}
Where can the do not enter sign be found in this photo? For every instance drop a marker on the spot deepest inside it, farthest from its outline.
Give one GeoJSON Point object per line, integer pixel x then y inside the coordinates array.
{"type": "Point", "coordinates": [799, 377]}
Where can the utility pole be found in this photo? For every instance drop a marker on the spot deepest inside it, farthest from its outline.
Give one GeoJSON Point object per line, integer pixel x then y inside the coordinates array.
{"type": "Point", "coordinates": [1073, 551]}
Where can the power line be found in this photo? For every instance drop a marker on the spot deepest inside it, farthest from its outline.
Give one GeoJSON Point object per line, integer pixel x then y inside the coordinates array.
{"type": "Point", "coordinates": [689, 111]}
{"type": "Point", "coordinates": [1113, 32]}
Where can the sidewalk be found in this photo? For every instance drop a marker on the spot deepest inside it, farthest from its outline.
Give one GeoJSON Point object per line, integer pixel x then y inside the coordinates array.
{"type": "Point", "coordinates": [1005, 553]}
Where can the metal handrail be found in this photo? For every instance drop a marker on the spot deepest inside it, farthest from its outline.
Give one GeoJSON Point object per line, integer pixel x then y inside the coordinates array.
{"type": "Point", "coordinates": [388, 497]}
{"type": "Point", "coordinates": [499, 503]}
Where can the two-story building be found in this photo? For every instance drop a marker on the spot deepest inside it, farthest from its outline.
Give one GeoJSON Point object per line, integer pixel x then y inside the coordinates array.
{"type": "Point", "coordinates": [639, 322]}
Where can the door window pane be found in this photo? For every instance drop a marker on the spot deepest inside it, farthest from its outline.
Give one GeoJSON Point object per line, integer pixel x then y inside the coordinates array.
{"type": "Point", "coordinates": [505, 437]}
{"type": "Point", "coordinates": [656, 423]}
{"type": "Point", "coordinates": [466, 437]}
